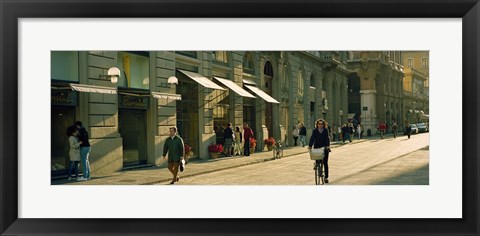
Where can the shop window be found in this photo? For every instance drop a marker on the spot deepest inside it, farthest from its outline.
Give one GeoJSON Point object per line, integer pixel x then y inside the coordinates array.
{"type": "Point", "coordinates": [64, 66]}
{"type": "Point", "coordinates": [135, 69]}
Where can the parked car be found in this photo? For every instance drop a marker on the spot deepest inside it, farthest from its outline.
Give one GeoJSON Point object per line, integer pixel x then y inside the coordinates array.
{"type": "Point", "coordinates": [414, 129]}
{"type": "Point", "coordinates": [422, 127]}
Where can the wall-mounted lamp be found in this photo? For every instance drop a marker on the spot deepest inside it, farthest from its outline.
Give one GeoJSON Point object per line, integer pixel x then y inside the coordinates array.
{"type": "Point", "coordinates": [170, 80]}
{"type": "Point", "coordinates": [113, 73]}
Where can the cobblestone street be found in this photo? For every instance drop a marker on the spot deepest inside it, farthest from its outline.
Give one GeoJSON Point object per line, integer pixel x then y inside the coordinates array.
{"type": "Point", "coordinates": [386, 162]}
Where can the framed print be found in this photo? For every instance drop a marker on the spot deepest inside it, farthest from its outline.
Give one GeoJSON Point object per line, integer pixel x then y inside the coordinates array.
{"type": "Point", "coordinates": [111, 42]}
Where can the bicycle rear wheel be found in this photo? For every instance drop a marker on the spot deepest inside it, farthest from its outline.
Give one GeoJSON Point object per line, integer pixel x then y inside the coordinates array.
{"type": "Point", "coordinates": [321, 176]}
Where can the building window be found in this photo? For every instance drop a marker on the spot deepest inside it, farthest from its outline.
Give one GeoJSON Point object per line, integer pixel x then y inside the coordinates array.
{"type": "Point", "coordinates": [192, 54]}
{"type": "Point", "coordinates": [135, 69]}
{"type": "Point", "coordinates": [221, 56]}
{"type": "Point", "coordinates": [300, 83]}
{"type": "Point", "coordinates": [424, 62]}
{"type": "Point", "coordinates": [410, 62]}
{"type": "Point", "coordinates": [312, 81]}
{"type": "Point", "coordinates": [248, 63]}
{"type": "Point", "coordinates": [64, 65]}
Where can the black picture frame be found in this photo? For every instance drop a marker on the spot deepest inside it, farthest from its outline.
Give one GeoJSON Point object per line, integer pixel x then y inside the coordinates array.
{"type": "Point", "coordinates": [11, 11]}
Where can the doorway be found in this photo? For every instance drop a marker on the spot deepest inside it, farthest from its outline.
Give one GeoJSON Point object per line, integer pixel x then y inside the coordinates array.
{"type": "Point", "coordinates": [132, 127]}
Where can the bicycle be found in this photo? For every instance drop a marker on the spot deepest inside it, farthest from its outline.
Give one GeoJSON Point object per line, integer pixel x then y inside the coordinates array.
{"type": "Point", "coordinates": [319, 168]}
{"type": "Point", "coordinates": [278, 150]}
{"type": "Point", "coordinates": [317, 155]}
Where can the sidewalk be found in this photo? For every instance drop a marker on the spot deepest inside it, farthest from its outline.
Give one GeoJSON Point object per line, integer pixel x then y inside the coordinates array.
{"type": "Point", "coordinates": [160, 173]}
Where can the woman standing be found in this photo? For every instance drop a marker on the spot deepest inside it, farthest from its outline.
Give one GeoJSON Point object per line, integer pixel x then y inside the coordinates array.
{"type": "Point", "coordinates": [295, 134]}
{"type": "Point", "coordinates": [238, 142]}
{"type": "Point", "coordinates": [320, 138]}
{"type": "Point", "coordinates": [74, 152]}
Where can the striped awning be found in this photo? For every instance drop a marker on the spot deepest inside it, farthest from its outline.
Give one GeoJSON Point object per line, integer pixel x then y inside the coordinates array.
{"type": "Point", "coordinates": [233, 86]}
{"type": "Point", "coordinates": [93, 89]}
{"type": "Point", "coordinates": [202, 80]}
{"type": "Point", "coordinates": [262, 94]}
{"type": "Point", "coordinates": [167, 96]}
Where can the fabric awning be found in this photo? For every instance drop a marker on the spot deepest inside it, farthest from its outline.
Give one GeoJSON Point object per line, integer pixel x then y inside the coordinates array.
{"type": "Point", "coordinates": [205, 82]}
{"type": "Point", "coordinates": [93, 89]}
{"type": "Point", "coordinates": [233, 86]}
{"type": "Point", "coordinates": [167, 96]}
{"type": "Point", "coordinates": [262, 94]}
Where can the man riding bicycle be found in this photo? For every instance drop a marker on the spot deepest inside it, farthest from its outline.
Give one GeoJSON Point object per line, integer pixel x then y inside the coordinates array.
{"type": "Point", "coordinates": [320, 138]}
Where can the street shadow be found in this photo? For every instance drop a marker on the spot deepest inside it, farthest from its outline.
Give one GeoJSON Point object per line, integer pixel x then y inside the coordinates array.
{"type": "Point", "coordinates": [375, 166]}
{"type": "Point", "coordinates": [419, 176]}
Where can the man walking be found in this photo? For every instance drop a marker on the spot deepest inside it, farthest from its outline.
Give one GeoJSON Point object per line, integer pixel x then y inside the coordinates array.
{"type": "Point", "coordinates": [303, 134]}
{"type": "Point", "coordinates": [175, 148]}
{"type": "Point", "coordinates": [84, 151]}
{"type": "Point", "coordinates": [394, 129]}
{"type": "Point", "coordinates": [247, 134]}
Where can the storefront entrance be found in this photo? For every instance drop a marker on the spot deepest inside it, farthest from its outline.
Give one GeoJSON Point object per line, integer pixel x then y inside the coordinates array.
{"type": "Point", "coordinates": [132, 127]}
{"type": "Point", "coordinates": [62, 117]}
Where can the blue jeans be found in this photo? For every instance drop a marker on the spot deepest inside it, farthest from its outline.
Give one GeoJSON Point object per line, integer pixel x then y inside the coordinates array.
{"type": "Point", "coordinates": [303, 139]}
{"type": "Point", "coordinates": [73, 165]}
{"type": "Point", "coordinates": [84, 153]}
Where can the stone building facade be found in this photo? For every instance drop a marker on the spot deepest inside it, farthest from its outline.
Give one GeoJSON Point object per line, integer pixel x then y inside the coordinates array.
{"type": "Point", "coordinates": [128, 121]}
{"type": "Point", "coordinates": [376, 87]}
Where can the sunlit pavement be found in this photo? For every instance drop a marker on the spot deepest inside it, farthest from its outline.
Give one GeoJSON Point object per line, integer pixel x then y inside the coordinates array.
{"type": "Point", "coordinates": [366, 161]}
{"type": "Point", "coordinates": [389, 161]}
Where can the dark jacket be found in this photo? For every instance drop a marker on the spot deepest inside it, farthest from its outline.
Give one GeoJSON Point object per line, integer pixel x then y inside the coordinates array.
{"type": "Point", "coordinates": [318, 140]}
{"type": "Point", "coordinates": [83, 136]}
{"type": "Point", "coordinates": [174, 147]}
{"type": "Point", "coordinates": [228, 133]}
{"type": "Point", "coordinates": [303, 131]}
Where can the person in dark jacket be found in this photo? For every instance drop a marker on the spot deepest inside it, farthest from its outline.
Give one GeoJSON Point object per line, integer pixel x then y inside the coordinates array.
{"type": "Point", "coordinates": [320, 138]}
{"type": "Point", "coordinates": [228, 137]}
{"type": "Point", "coordinates": [84, 150]}
{"type": "Point", "coordinates": [303, 134]}
{"type": "Point", "coordinates": [408, 129]}
{"type": "Point", "coordinates": [175, 148]}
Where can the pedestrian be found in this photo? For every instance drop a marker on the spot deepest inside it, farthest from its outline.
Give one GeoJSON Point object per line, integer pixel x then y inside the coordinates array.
{"type": "Point", "coordinates": [175, 148]}
{"type": "Point", "coordinates": [303, 134]}
{"type": "Point", "coordinates": [334, 133]}
{"type": "Point", "coordinates": [320, 138]}
{"type": "Point", "coordinates": [228, 137]}
{"type": "Point", "coordinates": [408, 129]}
{"type": "Point", "coordinates": [74, 153]}
{"type": "Point", "coordinates": [359, 130]}
{"type": "Point", "coordinates": [346, 133]}
{"type": "Point", "coordinates": [394, 129]}
{"type": "Point", "coordinates": [295, 134]}
{"type": "Point", "coordinates": [381, 128]}
{"type": "Point", "coordinates": [238, 148]}
{"type": "Point", "coordinates": [329, 130]}
{"type": "Point", "coordinates": [84, 150]}
{"type": "Point", "coordinates": [247, 134]}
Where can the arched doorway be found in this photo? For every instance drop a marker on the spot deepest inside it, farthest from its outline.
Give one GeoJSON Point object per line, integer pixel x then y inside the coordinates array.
{"type": "Point", "coordinates": [268, 78]}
